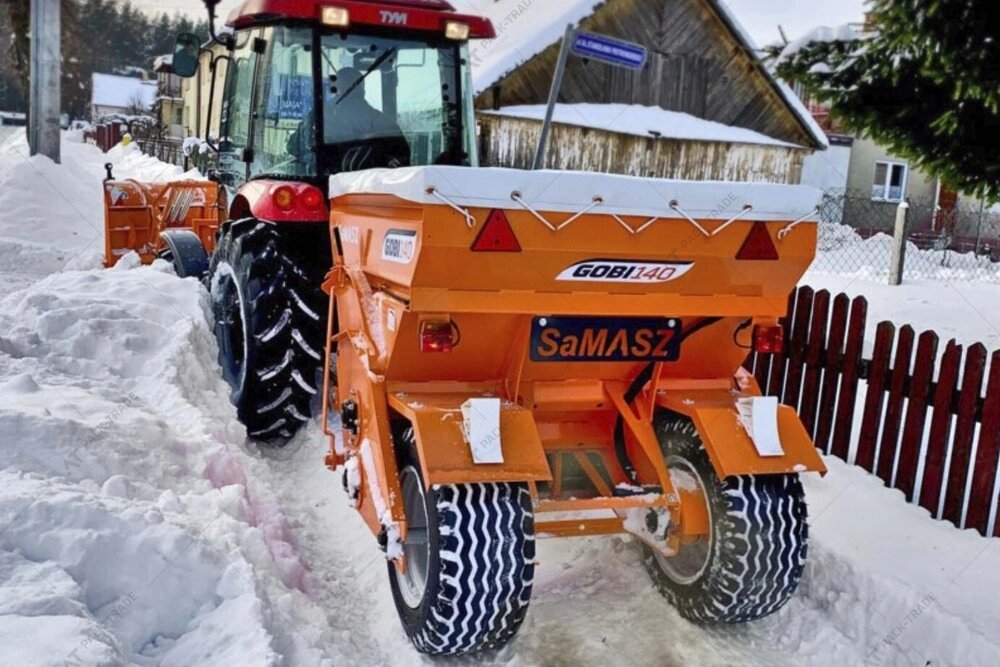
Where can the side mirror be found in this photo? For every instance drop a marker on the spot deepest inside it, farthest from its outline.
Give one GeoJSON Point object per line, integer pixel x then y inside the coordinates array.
{"type": "Point", "coordinates": [186, 51]}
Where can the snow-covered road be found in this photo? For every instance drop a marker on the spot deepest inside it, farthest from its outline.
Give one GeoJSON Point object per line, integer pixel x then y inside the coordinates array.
{"type": "Point", "coordinates": [137, 526]}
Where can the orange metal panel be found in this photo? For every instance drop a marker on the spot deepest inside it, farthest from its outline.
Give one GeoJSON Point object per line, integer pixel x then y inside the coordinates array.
{"type": "Point", "coordinates": [730, 448]}
{"type": "Point", "coordinates": [445, 454]}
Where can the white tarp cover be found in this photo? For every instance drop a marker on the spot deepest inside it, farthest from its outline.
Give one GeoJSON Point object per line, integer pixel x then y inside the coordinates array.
{"type": "Point", "coordinates": [572, 191]}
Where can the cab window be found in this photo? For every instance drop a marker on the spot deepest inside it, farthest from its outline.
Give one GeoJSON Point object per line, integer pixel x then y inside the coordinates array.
{"type": "Point", "coordinates": [283, 130]}
{"type": "Point", "coordinates": [236, 106]}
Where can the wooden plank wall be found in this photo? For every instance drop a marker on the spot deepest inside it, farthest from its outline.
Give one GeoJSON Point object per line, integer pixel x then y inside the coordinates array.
{"type": "Point", "coordinates": [926, 422]}
{"type": "Point", "coordinates": [512, 142]}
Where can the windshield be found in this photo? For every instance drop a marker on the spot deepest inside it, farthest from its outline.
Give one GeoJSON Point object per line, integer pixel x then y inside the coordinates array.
{"type": "Point", "coordinates": [391, 103]}
{"type": "Point", "coordinates": [385, 102]}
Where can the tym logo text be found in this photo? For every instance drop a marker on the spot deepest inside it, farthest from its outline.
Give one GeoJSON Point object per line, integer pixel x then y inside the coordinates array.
{"type": "Point", "coordinates": [394, 18]}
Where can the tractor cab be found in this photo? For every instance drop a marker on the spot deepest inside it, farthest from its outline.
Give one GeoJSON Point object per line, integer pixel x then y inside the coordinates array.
{"type": "Point", "coordinates": [315, 88]}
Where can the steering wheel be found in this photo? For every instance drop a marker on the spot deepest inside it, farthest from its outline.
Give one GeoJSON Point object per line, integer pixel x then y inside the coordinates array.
{"type": "Point", "coordinates": [383, 152]}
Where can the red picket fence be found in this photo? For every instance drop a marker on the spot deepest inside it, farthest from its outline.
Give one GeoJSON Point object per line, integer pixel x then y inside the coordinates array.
{"type": "Point", "coordinates": [927, 425]}
{"type": "Point", "coordinates": [105, 135]}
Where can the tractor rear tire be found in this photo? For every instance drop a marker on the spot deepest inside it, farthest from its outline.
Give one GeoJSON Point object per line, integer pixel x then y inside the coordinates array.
{"type": "Point", "coordinates": [267, 323]}
{"type": "Point", "coordinates": [752, 560]}
{"type": "Point", "coordinates": [470, 557]}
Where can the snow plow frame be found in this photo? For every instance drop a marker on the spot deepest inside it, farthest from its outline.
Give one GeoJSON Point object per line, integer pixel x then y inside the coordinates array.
{"type": "Point", "coordinates": [137, 213]}
{"type": "Point", "coordinates": [549, 420]}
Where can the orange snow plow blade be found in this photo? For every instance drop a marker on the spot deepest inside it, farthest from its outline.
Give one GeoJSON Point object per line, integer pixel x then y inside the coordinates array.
{"type": "Point", "coordinates": [135, 214]}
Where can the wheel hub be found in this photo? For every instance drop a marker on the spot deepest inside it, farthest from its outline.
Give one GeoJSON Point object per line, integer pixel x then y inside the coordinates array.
{"type": "Point", "coordinates": [693, 556]}
{"type": "Point", "coordinates": [229, 320]}
{"type": "Point", "coordinates": [412, 579]}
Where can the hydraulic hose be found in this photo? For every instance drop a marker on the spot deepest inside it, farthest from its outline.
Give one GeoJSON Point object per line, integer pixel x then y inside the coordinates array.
{"type": "Point", "coordinates": [640, 381]}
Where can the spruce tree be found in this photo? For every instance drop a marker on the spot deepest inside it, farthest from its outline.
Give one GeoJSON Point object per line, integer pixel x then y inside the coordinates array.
{"type": "Point", "coordinates": [923, 79]}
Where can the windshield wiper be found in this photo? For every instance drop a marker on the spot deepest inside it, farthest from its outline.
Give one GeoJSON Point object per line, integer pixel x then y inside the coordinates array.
{"type": "Point", "coordinates": [374, 66]}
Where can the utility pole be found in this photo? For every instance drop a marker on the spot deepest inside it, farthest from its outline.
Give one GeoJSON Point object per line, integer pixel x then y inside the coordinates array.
{"type": "Point", "coordinates": [46, 57]}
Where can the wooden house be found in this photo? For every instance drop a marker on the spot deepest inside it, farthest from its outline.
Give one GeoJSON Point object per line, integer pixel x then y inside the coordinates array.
{"type": "Point", "coordinates": [704, 107]}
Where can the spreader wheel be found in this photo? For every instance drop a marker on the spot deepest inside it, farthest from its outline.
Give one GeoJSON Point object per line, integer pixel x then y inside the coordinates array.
{"type": "Point", "coordinates": [469, 554]}
{"type": "Point", "coordinates": [266, 323]}
{"type": "Point", "coordinates": [750, 562]}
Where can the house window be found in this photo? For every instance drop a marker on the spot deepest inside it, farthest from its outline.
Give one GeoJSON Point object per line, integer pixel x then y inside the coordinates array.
{"type": "Point", "coordinates": [890, 181]}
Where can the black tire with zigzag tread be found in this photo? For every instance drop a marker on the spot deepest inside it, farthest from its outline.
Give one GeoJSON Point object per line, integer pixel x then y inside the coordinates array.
{"type": "Point", "coordinates": [760, 535]}
{"type": "Point", "coordinates": [481, 568]}
{"type": "Point", "coordinates": [282, 306]}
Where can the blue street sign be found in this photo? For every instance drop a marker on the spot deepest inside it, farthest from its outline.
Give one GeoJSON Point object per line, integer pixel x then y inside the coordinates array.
{"type": "Point", "coordinates": [609, 50]}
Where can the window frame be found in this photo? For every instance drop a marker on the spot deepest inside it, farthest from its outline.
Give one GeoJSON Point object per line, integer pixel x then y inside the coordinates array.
{"type": "Point", "coordinates": [890, 165]}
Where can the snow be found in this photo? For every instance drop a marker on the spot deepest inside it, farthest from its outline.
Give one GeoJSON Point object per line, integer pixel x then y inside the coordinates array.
{"type": "Point", "coordinates": [137, 525]}
{"type": "Point", "coordinates": [524, 29]}
{"type": "Point", "coordinates": [111, 90]}
{"type": "Point", "coordinates": [574, 191]}
{"type": "Point", "coordinates": [822, 34]}
{"type": "Point", "coordinates": [954, 299]}
{"type": "Point", "coordinates": [640, 121]}
{"type": "Point", "coordinates": [160, 61]}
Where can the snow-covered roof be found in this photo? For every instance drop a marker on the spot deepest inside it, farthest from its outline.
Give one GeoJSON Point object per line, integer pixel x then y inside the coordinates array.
{"type": "Point", "coordinates": [161, 61]}
{"type": "Point", "coordinates": [525, 29]}
{"type": "Point", "coordinates": [842, 33]}
{"type": "Point", "coordinates": [517, 40]}
{"type": "Point", "coordinates": [782, 88]}
{"type": "Point", "coordinates": [642, 121]}
{"type": "Point", "coordinates": [111, 90]}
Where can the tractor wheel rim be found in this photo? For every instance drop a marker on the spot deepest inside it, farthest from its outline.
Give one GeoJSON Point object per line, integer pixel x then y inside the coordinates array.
{"type": "Point", "coordinates": [416, 548]}
{"type": "Point", "coordinates": [692, 559]}
{"type": "Point", "coordinates": [230, 322]}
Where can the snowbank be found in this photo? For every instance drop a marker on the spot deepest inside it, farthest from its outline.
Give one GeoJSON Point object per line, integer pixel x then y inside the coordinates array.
{"type": "Point", "coordinates": [137, 526]}
{"type": "Point", "coordinates": [50, 218]}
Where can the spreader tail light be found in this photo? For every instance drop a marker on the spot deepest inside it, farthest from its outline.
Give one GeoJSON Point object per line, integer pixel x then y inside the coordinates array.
{"type": "Point", "coordinates": [311, 197]}
{"type": "Point", "coordinates": [769, 339]}
{"type": "Point", "coordinates": [457, 30]}
{"type": "Point", "coordinates": [497, 235]}
{"type": "Point", "coordinates": [437, 336]}
{"type": "Point", "coordinates": [284, 197]}
{"type": "Point", "coordinates": [758, 245]}
{"type": "Point", "coordinates": [336, 17]}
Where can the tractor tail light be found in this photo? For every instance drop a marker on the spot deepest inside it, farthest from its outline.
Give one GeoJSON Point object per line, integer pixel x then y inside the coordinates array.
{"type": "Point", "coordinates": [497, 235]}
{"type": "Point", "coordinates": [759, 245]}
{"type": "Point", "coordinates": [769, 339]}
{"type": "Point", "coordinates": [284, 198]}
{"type": "Point", "coordinates": [437, 336]}
{"type": "Point", "coordinates": [312, 198]}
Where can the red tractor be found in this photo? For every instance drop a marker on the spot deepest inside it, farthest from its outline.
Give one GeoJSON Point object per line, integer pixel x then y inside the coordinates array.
{"type": "Point", "coordinates": [311, 89]}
